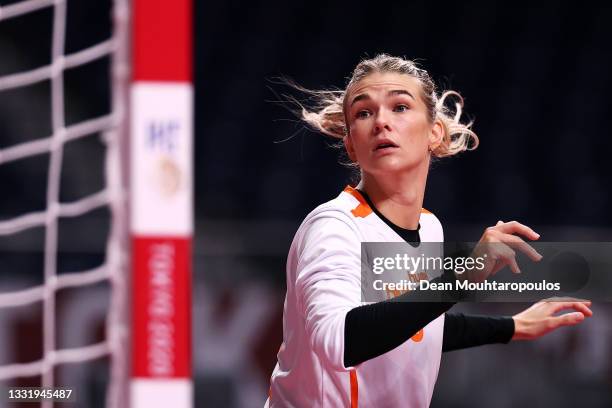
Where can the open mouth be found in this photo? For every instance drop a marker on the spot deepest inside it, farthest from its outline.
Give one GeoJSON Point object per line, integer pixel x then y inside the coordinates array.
{"type": "Point", "coordinates": [386, 145]}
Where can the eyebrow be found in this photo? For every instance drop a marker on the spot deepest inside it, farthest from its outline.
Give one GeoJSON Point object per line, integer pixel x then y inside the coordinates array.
{"type": "Point", "coordinates": [365, 96]}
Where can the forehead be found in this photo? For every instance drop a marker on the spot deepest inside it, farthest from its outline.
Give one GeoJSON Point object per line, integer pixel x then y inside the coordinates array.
{"type": "Point", "coordinates": [383, 82]}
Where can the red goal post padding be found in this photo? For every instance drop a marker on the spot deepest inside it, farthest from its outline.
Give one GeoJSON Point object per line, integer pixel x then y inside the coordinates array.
{"type": "Point", "coordinates": [161, 203]}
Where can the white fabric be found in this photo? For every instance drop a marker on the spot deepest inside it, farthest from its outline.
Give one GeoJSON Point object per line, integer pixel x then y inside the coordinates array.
{"type": "Point", "coordinates": [323, 284]}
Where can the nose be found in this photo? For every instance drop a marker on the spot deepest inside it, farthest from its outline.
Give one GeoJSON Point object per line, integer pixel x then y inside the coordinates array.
{"type": "Point", "coordinates": [381, 122]}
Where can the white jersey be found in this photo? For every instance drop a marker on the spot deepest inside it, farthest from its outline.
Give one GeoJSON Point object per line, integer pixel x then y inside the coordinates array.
{"type": "Point", "coordinates": [323, 284]}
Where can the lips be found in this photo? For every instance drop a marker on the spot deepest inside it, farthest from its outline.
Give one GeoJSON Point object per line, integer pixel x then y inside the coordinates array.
{"type": "Point", "coordinates": [385, 144]}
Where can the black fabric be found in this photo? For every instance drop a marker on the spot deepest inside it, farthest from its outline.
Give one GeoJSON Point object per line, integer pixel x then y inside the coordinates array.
{"type": "Point", "coordinates": [374, 329]}
{"type": "Point", "coordinates": [410, 236]}
{"type": "Point", "coordinates": [463, 331]}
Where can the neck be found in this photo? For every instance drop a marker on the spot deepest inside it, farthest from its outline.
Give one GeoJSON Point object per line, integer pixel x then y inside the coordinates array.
{"type": "Point", "coordinates": [398, 198]}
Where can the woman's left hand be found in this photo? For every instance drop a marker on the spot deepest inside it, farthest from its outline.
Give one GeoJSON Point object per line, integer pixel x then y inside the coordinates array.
{"type": "Point", "coordinates": [540, 318]}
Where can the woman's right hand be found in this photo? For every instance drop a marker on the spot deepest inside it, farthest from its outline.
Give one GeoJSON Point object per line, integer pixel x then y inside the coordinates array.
{"type": "Point", "coordinates": [498, 247]}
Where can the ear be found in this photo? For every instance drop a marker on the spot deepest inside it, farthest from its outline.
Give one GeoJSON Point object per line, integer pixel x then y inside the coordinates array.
{"type": "Point", "coordinates": [348, 145]}
{"type": "Point", "coordinates": [436, 135]}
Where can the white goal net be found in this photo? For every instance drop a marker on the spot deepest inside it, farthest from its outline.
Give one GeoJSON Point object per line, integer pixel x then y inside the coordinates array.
{"type": "Point", "coordinates": [109, 129]}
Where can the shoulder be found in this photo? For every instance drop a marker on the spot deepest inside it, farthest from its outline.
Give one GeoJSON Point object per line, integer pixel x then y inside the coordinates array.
{"type": "Point", "coordinates": [347, 207]}
{"type": "Point", "coordinates": [332, 220]}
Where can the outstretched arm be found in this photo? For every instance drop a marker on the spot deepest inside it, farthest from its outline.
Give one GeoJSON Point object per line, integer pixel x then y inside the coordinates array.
{"type": "Point", "coordinates": [464, 331]}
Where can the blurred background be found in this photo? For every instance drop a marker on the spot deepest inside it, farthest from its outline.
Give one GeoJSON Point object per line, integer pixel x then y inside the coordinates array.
{"type": "Point", "coordinates": [535, 79]}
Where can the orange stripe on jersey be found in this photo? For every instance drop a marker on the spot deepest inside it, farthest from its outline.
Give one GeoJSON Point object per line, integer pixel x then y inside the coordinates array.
{"type": "Point", "coordinates": [424, 211]}
{"type": "Point", "coordinates": [363, 209]}
{"type": "Point", "coordinates": [354, 389]}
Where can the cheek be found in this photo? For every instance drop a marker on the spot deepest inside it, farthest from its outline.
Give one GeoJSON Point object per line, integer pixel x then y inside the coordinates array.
{"type": "Point", "coordinates": [359, 126]}
{"type": "Point", "coordinates": [359, 136]}
{"type": "Point", "coordinates": [415, 131]}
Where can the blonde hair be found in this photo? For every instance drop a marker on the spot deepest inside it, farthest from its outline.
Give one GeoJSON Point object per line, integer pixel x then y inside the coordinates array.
{"type": "Point", "coordinates": [329, 113]}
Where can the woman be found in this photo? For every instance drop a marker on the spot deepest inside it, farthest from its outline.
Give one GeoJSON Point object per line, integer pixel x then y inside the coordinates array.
{"type": "Point", "coordinates": [338, 351]}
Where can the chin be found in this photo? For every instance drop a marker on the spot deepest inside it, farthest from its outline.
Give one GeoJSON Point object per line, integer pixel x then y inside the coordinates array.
{"type": "Point", "coordinates": [393, 166]}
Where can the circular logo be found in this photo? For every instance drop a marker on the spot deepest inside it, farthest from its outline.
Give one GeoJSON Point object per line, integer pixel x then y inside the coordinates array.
{"type": "Point", "coordinates": [168, 176]}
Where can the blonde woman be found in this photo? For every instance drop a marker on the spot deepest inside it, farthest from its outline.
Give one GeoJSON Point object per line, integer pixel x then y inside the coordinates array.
{"type": "Point", "coordinates": [338, 351]}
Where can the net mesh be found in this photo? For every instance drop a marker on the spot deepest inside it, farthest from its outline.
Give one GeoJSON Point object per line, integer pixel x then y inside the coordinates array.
{"type": "Point", "coordinates": [111, 126]}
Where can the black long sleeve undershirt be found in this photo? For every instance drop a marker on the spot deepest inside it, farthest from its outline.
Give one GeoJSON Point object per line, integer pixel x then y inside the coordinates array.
{"type": "Point", "coordinates": [374, 329]}
{"type": "Point", "coordinates": [463, 331]}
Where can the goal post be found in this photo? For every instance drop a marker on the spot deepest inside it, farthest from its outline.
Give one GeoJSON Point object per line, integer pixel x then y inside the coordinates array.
{"type": "Point", "coordinates": [147, 190]}
{"type": "Point", "coordinates": [161, 205]}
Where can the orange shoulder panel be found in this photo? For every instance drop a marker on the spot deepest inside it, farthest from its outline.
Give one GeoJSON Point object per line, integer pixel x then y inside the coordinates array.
{"type": "Point", "coordinates": [363, 209]}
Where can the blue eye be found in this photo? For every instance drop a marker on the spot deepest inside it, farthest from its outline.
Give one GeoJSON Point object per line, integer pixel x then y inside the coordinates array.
{"type": "Point", "coordinates": [401, 108]}
{"type": "Point", "coordinates": [362, 114]}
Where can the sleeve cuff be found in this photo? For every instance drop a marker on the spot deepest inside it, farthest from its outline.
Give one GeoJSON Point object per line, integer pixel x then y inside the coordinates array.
{"type": "Point", "coordinates": [506, 329]}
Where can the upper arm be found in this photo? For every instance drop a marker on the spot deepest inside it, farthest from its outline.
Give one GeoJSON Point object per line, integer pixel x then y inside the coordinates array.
{"type": "Point", "coordinates": [328, 284]}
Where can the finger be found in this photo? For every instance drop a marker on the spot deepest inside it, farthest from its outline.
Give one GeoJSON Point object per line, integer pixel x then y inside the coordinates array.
{"type": "Point", "coordinates": [567, 299]}
{"type": "Point", "coordinates": [582, 308]}
{"type": "Point", "coordinates": [514, 227]}
{"type": "Point", "coordinates": [508, 256]}
{"type": "Point", "coordinates": [500, 264]}
{"type": "Point", "coordinates": [587, 311]}
{"type": "Point", "coordinates": [518, 243]}
{"type": "Point", "coordinates": [497, 267]}
{"type": "Point", "coordinates": [569, 319]}
{"type": "Point", "coordinates": [514, 266]}
{"type": "Point", "coordinates": [556, 307]}
{"type": "Point", "coordinates": [499, 223]}
{"type": "Point", "coordinates": [577, 306]}
{"type": "Point", "coordinates": [499, 253]}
